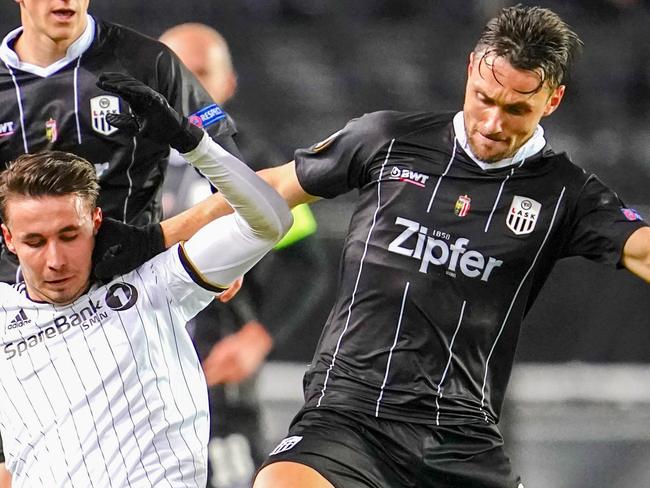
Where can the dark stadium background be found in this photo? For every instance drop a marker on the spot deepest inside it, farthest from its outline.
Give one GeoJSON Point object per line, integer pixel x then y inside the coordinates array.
{"type": "Point", "coordinates": [579, 408]}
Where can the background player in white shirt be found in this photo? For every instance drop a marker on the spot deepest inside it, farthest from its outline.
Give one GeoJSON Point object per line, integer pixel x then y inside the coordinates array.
{"type": "Point", "coordinates": [99, 383]}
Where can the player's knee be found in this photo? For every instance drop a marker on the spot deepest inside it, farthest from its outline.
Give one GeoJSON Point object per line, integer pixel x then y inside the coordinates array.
{"type": "Point", "coordinates": [285, 474]}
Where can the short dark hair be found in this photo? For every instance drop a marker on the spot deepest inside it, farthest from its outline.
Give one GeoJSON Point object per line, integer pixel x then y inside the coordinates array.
{"type": "Point", "coordinates": [48, 173]}
{"type": "Point", "coordinates": [531, 38]}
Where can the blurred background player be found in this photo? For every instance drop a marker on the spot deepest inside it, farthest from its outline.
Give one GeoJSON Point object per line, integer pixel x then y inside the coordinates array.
{"type": "Point", "coordinates": [230, 338]}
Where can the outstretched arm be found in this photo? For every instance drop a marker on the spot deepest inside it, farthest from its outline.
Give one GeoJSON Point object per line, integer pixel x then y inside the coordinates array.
{"type": "Point", "coordinates": [636, 253]}
{"type": "Point", "coordinates": [227, 247]}
{"type": "Point", "coordinates": [282, 178]}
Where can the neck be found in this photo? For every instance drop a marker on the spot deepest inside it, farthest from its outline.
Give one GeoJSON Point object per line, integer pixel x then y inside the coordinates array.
{"type": "Point", "coordinates": [40, 50]}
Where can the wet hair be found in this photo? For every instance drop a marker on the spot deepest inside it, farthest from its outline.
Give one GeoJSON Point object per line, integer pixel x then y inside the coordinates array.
{"type": "Point", "coordinates": [532, 39]}
{"type": "Point", "coordinates": [48, 173]}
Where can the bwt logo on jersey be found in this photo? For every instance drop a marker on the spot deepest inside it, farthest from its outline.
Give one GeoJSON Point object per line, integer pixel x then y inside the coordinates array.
{"type": "Point", "coordinates": [6, 129]}
{"type": "Point", "coordinates": [99, 107]}
{"type": "Point", "coordinates": [522, 215]}
{"type": "Point", "coordinates": [84, 318]}
{"type": "Point", "coordinates": [405, 174]}
{"type": "Point", "coordinates": [207, 116]}
{"type": "Point", "coordinates": [433, 249]}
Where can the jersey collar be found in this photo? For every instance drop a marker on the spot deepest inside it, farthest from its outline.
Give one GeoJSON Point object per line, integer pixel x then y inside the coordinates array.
{"type": "Point", "coordinates": [534, 145]}
{"type": "Point", "coordinates": [76, 49]}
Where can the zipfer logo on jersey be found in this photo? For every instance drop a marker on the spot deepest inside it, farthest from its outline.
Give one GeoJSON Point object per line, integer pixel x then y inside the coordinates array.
{"type": "Point", "coordinates": [433, 248]}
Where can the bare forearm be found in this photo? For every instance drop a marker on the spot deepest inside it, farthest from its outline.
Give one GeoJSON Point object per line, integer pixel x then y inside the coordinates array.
{"type": "Point", "coordinates": [184, 225]}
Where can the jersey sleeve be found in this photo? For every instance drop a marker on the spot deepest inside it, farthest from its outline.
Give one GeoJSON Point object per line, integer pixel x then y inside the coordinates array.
{"type": "Point", "coordinates": [165, 274]}
{"type": "Point", "coordinates": [602, 224]}
{"type": "Point", "coordinates": [338, 164]}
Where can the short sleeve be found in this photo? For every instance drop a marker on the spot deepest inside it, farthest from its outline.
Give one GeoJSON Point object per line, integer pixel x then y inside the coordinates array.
{"type": "Point", "coordinates": [602, 224]}
{"type": "Point", "coordinates": [338, 164]}
{"type": "Point", "coordinates": [188, 97]}
{"type": "Point", "coordinates": [166, 276]}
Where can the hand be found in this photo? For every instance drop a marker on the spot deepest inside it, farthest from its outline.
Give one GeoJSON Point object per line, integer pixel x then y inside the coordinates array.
{"type": "Point", "coordinates": [152, 116]}
{"type": "Point", "coordinates": [120, 248]}
{"type": "Point", "coordinates": [238, 356]}
{"type": "Point", "coordinates": [230, 292]}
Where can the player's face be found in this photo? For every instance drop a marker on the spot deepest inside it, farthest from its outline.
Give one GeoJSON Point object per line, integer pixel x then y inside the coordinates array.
{"type": "Point", "coordinates": [60, 21]}
{"type": "Point", "coordinates": [53, 237]}
{"type": "Point", "coordinates": [502, 107]}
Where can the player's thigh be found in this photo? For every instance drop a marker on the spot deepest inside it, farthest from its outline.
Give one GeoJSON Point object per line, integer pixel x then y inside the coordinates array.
{"type": "Point", "coordinates": [287, 474]}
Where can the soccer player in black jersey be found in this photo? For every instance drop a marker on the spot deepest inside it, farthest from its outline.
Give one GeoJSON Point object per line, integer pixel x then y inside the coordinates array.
{"type": "Point", "coordinates": [49, 100]}
{"type": "Point", "coordinates": [459, 220]}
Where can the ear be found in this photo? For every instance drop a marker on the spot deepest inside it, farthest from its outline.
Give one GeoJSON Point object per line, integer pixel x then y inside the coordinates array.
{"type": "Point", "coordinates": [6, 234]}
{"type": "Point", "coordinates": [554, 100]}
{"type": "Point", "coordinates": [470, 65]}
{"type": "Point", "coordinates": [97, 217]}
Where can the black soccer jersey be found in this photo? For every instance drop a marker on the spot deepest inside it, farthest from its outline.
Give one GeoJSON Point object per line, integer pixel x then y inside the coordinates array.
{"type": "Point", "coordinates": [60, 107]}
{"type": "Point", "coordinates": [441, 263]}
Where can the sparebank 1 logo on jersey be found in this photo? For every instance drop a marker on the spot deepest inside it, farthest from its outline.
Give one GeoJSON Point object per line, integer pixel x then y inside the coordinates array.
{"type": "Point", "coordinates": [433, 248]}
{"type": "Point", "coordinates": [119, 297]}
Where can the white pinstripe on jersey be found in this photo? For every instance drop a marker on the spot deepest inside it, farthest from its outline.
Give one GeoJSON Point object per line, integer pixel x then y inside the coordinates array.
{"type": "Point", "coordinates": [356, 286]}
{"type": "Point", "coordinates": [108, 391]}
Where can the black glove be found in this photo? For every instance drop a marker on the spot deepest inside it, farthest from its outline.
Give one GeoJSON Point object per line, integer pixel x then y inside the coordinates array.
{"type": "Point", "coordinates": [152, 116]}
{"type": "Point", "coordinates": [120, 248]}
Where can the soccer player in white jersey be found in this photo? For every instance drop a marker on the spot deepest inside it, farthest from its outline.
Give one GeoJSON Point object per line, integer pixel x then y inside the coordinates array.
{"type": "Point", "coordinates": [99, 383]}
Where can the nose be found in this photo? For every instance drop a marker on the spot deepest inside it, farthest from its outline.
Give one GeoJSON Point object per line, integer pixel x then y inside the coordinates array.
{"type": "Point", "coordinates": [493, 123]}
{"type": "Point", "coordinates": [55, 258]}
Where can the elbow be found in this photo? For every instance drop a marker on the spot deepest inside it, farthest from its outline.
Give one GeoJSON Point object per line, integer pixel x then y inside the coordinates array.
{"type": "Point", "coordinates": [276, 224]}
{"type": "Point", "coordinates": [284, 222]}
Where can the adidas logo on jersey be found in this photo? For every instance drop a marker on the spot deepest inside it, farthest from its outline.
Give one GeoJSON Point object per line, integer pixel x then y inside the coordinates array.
{"type": "Point", "coordinates": [405, 174]}
{"type": "Point", "coordinates": [19, 320]}
{"type": "Point", "coordinates": [430, 250]}
{"type": "Point", "coordinates": [286, 444]}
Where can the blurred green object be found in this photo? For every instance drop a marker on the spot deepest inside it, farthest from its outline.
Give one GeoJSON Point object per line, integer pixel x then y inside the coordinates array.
{"type": "Point", "coordinates": [304, 224]}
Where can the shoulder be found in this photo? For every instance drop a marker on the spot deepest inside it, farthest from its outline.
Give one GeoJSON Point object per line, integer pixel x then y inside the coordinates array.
{"type": "Point", "coordinates": [132, 48]}
{"type": "Point", "coordinates": [394, 124]}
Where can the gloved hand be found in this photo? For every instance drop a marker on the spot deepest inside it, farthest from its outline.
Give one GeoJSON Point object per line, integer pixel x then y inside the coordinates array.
{"type": "Point", "coordinates": [120, 248]}
{"type": "Point", "coordinates": [152, 116]}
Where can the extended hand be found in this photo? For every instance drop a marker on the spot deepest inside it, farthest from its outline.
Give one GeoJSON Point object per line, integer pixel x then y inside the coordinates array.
{"type": "Point", "coordinates": [152, 116]}
{"type": "Point", "coordinates": [236, 357]}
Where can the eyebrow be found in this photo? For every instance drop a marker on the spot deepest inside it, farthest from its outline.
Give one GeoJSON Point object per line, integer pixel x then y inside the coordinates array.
{"type": "Point", "coordinates": [521, 105]}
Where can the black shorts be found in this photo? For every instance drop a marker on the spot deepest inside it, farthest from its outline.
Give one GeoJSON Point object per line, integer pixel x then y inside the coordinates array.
{"type": "Point", "coordinates": [354, 450]}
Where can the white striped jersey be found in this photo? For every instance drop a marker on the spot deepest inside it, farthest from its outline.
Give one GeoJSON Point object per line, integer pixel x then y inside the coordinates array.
{"type": "Point", "coordinates": [443, 258]}
{"type": "Point", "coordinates": [106, 391]}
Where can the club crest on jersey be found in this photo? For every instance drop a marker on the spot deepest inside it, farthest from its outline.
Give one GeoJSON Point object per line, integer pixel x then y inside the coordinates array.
{"type": "Point", "coordinates": [463, 204]}
{"type": "Point", "coordinates": [51, 130]}
{"type": "Point", "coordinates": [522, 215]}
{"type": "Point", "coordinates": [99, 107]}
{"type": "Point", "coordinates": [408, 176]}
{"type": "Point", "coordinates": [6, 129]}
